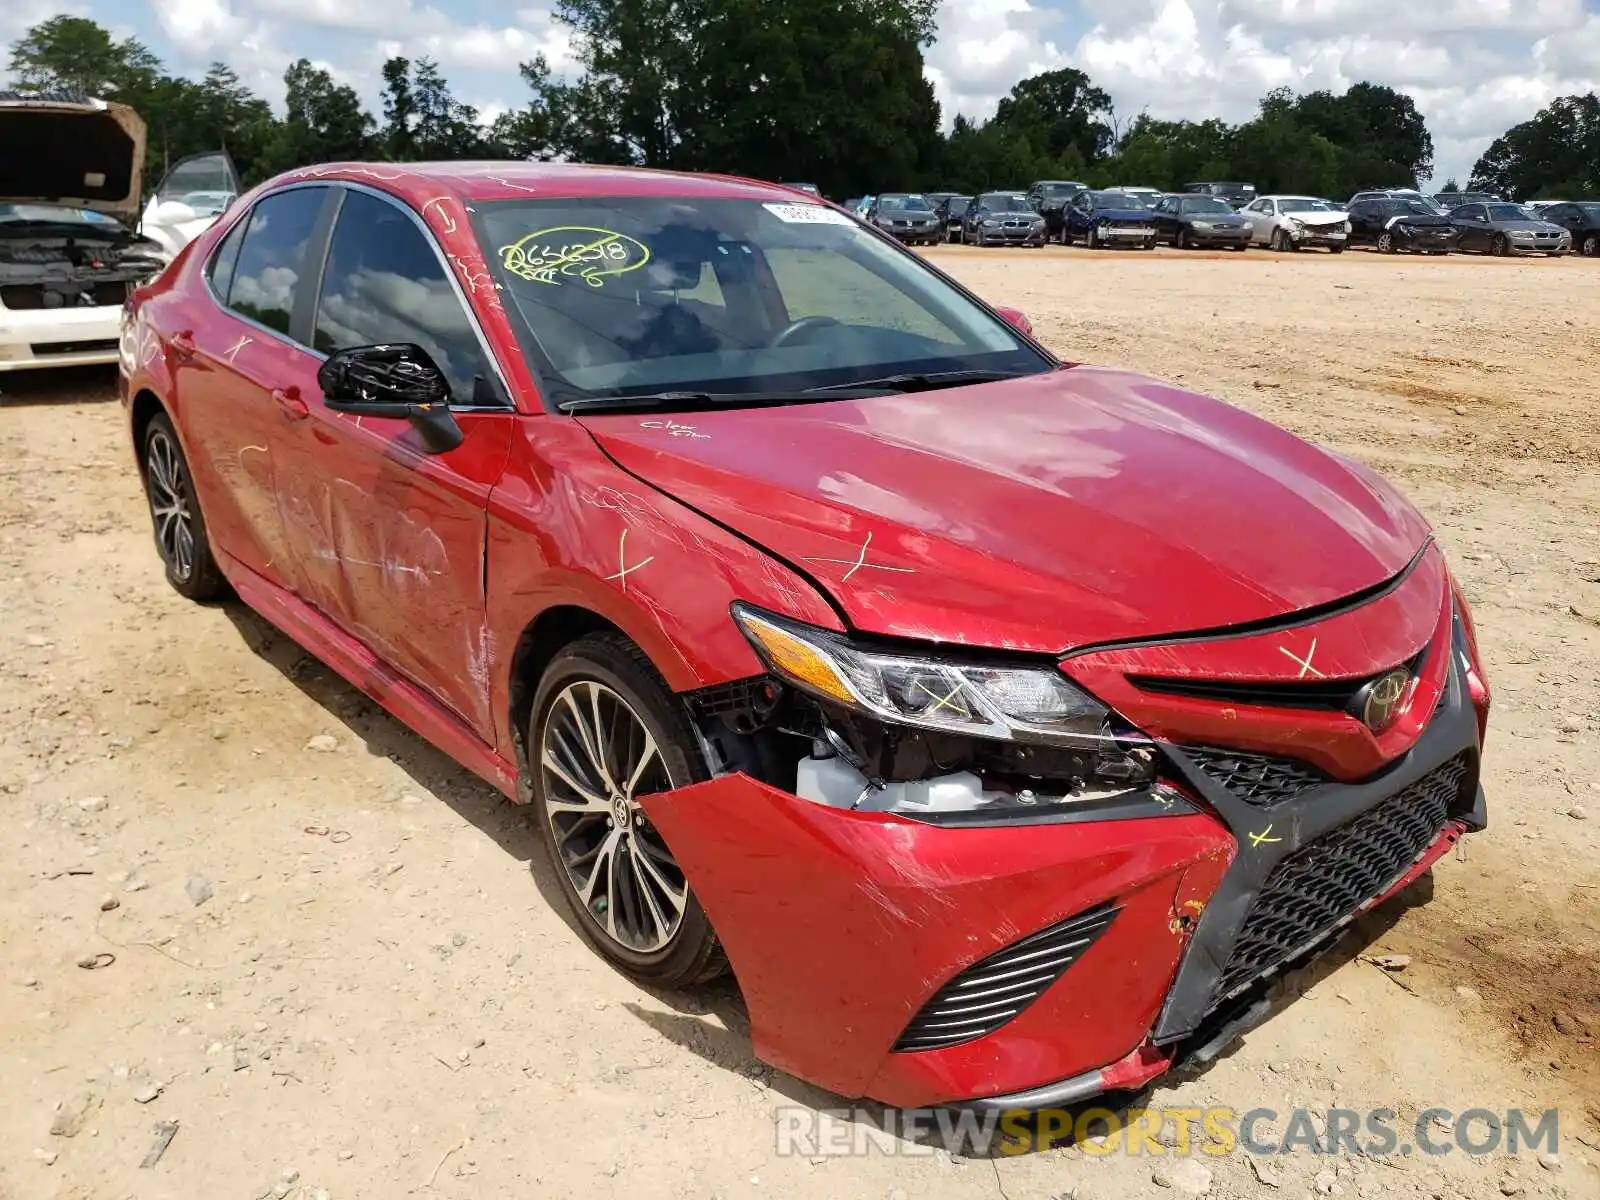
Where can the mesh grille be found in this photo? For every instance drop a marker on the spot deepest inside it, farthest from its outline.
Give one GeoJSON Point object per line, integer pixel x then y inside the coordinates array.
{"type": "Point", "coordinates": [1258, 779]}
{"type": "Point", "coordinates": [1315, 889]}
{"type": "Point", "coordinates": [989, 993]}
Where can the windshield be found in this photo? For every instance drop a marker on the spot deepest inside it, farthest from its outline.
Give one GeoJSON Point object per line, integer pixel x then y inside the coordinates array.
{"type": "Point", "coordinates": [1112, 200]}
{"type": "Point", "coordinates": [1508, 212]}
{"type": "Point", "coordinates": [1005, 202]}
{"type": "Point", "coordinates": [1592, 211]}
{"type": "Point", "coordinates": [1206, 204]}
{"type": "Point", "coordinates": [1061, 189]}
{"type": "Point", "coordinates": [634, 295]}
{"type": "Point", "coordinates": [1294, 204]}
{"type": "Point", "coordinates": [903, 203]}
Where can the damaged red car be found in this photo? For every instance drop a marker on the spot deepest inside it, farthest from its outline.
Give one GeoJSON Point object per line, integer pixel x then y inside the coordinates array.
{"type": "Point", "coordinates": [1006, 726]}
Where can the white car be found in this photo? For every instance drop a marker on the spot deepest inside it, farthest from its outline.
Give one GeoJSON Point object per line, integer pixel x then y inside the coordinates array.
{"type": "Point", "coordinates": [69, 251]}
{"type": "Point", "coordinates": [1296, 222]}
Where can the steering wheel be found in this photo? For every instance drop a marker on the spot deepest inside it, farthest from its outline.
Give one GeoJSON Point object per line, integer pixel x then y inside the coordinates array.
{"type": "Point", "coordinates": [795, 328]}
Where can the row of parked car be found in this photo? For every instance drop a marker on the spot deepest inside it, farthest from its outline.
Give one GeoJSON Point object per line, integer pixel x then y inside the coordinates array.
{"type": "Point", "coordinates": [1233, 216]}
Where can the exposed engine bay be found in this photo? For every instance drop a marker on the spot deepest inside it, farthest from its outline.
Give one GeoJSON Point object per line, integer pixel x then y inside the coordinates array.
{"type": "Point", "coordinates": [50, 265]}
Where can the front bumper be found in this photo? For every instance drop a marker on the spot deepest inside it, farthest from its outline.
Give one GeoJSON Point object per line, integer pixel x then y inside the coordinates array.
{"type": "Point", "coordinates": [1319, 237]}
{"type": "Point", "coordinates": [851, 932]}
{"type": "Point", "coordinates": [1219, 237]}
{"type": "Point", "coordinates": [59, 337]}
{"type": "Point", "coordinates": [1545, 245]}
{"type": "Point", "coordinates": [1001, 236]}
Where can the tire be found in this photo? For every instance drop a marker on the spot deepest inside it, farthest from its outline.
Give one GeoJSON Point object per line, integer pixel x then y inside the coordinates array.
{"type": "Point", "coordinates": [1282, 242]}
{"type": "Point", "coordinates": [1242, 247]}
{"type": "Point", "coordinates": [626, 699]}
{"type": "Point", "coordinates": [1335, 249]}
{"type": "Point", "coordinates": [1092, 239]}
{"type": "Point", "coordinates": [175, 517]}
{"type": "Point", "coordinates": [1180, 240]}
{"type": "Point", "coordinates": [1065, 237]}
{"type": "Point", "coordinates": [1500, 247]}
{"type": "Point", "coordinates": [1590, 246]}
{"type": "Point", "coordinates": [1385, 243]}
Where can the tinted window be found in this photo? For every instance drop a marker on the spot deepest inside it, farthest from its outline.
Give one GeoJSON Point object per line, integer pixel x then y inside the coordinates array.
{"type": "Point", "coordinates": [618, 295]}
{"type": "Point", "coordinates": [225, 259]}
{"type": "Point", "coordinates": [1206, 204]}
{"type": "Point", "coordinates": [384, 283]}
{"type": "Point", "coordinates": [273, 258]}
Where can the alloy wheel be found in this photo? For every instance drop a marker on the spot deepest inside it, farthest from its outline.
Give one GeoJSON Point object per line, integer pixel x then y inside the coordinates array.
{"type": "Point", "coordinates": [1591, 246]}
{"type": "Point", "coordinates": [167, 485]}
{"type": "Point", "coordinates": [597, 759]}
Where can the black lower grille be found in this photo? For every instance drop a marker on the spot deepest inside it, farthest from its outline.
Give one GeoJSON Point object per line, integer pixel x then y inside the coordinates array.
{"type": "Point", "coordinates": [990, 993]}
{"type": "Point", "coordinates": [1259, 779]}
{"type": "Point", "coordinates": [1317, 888]}
{"type": "Point", "coordinates": [93, 346]}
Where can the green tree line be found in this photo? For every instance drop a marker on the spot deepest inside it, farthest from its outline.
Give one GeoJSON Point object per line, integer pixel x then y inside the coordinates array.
{"type": "Point", "coordinates": [828, 91]}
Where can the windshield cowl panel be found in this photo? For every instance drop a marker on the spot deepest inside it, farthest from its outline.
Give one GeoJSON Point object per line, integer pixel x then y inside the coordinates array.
{"type": "Point", "coordinates": [632, 297]}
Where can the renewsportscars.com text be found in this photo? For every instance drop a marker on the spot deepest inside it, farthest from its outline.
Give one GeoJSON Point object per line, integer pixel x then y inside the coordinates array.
{"type": "Point", "coordinates": [1373, 1133]}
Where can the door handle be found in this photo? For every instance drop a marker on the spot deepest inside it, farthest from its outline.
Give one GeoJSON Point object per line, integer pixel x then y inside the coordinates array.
{"type": "Point", "coordinates": [182, 344]}
{"type": "Point", "coordinates": [288, 400]}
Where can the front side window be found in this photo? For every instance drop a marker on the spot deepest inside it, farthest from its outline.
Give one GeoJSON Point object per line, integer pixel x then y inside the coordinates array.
{"type": "Point", "coordinates": [385, 283]}
{"type": "Point", "coordinates": [618, 296]}
{"type": "Point", "coordinates": [273, 258]}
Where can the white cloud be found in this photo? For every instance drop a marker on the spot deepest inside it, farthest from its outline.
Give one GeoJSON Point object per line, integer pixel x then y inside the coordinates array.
{"type": "Point", "coordinates": [200, 26]}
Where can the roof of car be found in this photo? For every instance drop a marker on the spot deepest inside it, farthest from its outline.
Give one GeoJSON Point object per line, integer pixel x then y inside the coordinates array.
{"type": "Point", "coordinates": [538, 180]}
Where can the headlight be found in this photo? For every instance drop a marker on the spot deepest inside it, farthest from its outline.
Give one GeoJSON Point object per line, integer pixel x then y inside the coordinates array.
{"type": "Point", "coordinates": [1345, 228]}
{"type": "Point", "coordinates": [990, 223]}
{"type": "Point", "coordinates": [1007, 703]}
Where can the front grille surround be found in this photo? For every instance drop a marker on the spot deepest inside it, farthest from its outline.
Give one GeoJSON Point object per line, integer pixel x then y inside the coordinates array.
{"type": "Point", "coordinates": [1317, 889]}
{"type": "Point", "coordinates": [995, 990]}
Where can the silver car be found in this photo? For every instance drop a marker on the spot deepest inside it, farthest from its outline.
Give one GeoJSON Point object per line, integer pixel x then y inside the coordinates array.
{"type": "Point", "coordinates": [1507, 229]}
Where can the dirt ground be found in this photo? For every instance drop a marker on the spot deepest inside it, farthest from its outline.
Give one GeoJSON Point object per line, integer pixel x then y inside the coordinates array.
{"type": "Point", "coordinates": [378, 998]}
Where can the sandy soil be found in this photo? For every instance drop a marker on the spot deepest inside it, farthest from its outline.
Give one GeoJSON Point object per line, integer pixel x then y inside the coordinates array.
{"type": "Point", "coordinates": [379, 999]}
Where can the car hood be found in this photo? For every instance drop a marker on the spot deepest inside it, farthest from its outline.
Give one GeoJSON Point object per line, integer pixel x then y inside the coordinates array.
{"type": "Point", "coordinates": [1226, 220]}
{"type": "Point", "coordinates": [1043, 514]}
{"type": "Point", "coordinates": [1123, 214]}
{"type": "Point", "coordinates": [1426, 221]}
{"type": "Point", "coordinates": [1319, 218]}
{"type": "Point", "coordinates": [74, 152]}
{"type": "Point", "coordinates": [1536, 226]}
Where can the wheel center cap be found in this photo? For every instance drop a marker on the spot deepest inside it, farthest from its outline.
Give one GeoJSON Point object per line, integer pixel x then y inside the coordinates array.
{"type": "Point", "coordinates": [621, 811]}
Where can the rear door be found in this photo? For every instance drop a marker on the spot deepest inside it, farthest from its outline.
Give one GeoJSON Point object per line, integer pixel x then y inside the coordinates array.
{"type": "Point", "coordinates": [392, 537]}
{"type": "Point", "coordinates": [238, 362]}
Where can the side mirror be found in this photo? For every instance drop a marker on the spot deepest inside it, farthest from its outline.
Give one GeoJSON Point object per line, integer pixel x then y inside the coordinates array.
{"type": "Point", "coordinates": [395, 380]}
{"type": "Point", "coordinates": [1015, 318]}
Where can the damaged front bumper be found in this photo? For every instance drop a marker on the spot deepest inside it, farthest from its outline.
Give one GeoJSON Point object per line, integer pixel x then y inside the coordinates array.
{"type": "Point", "coordinates": [866, 942]}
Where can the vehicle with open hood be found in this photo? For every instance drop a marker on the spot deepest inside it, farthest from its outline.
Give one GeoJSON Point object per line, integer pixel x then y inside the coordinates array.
{"type": "Point", "coordinates": [72, 240]}
{"type": "Point", "coordinates": [1006, 726]}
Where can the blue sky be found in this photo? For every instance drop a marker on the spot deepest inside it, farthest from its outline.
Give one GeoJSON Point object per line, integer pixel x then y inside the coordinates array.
{"type": "Point", "coordinates": [1473, 66]}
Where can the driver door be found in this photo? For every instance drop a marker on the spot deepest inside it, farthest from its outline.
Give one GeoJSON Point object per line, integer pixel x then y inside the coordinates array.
{"type": "Point", "coordinates": [1472, 223]}
{"type": "Point", "coordinates": [193, 193]}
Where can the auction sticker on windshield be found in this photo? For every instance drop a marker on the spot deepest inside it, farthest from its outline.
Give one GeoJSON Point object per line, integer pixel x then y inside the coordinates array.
{"type": "Point", "coordinates": [574, 252]}
{"type": "Point", "coordinates": [807, 214]}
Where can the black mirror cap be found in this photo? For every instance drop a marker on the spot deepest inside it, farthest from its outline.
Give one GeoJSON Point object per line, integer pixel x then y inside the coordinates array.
{"type": "Point", "coordinates": [385, 378]}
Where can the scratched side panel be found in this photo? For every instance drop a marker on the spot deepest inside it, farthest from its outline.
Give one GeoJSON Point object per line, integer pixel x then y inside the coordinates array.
{"type": "Point", "coordinates": [567, 527]}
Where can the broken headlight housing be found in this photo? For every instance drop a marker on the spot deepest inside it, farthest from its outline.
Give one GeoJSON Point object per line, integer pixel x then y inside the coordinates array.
{"type": "Point", "coordinates": [948, 736]}
{"type": "Point", "coordinates": [1007, 703]}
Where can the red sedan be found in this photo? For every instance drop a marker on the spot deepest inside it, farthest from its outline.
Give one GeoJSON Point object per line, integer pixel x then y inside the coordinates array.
{"type": "Point", "coordinates": [1005, 725]}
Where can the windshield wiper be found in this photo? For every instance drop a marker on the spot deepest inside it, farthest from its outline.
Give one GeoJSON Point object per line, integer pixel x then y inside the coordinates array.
{"type": "Point", "coordinates": [692, 401]}
{"type": "Point", "coordinates": [925, 381]}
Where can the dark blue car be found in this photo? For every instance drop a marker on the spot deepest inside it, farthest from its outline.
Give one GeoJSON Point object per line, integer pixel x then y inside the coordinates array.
{"type": "Point", "coordinates": [1109, 219]}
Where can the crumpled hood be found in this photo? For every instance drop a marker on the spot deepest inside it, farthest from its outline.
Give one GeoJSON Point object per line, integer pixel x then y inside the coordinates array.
{"type": "Point", "coordinates": [1319, 218]}
{"type": "Point", "coordinates": [80, 153]}
{"type": "Point", "coordinates": [1043, 514]}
